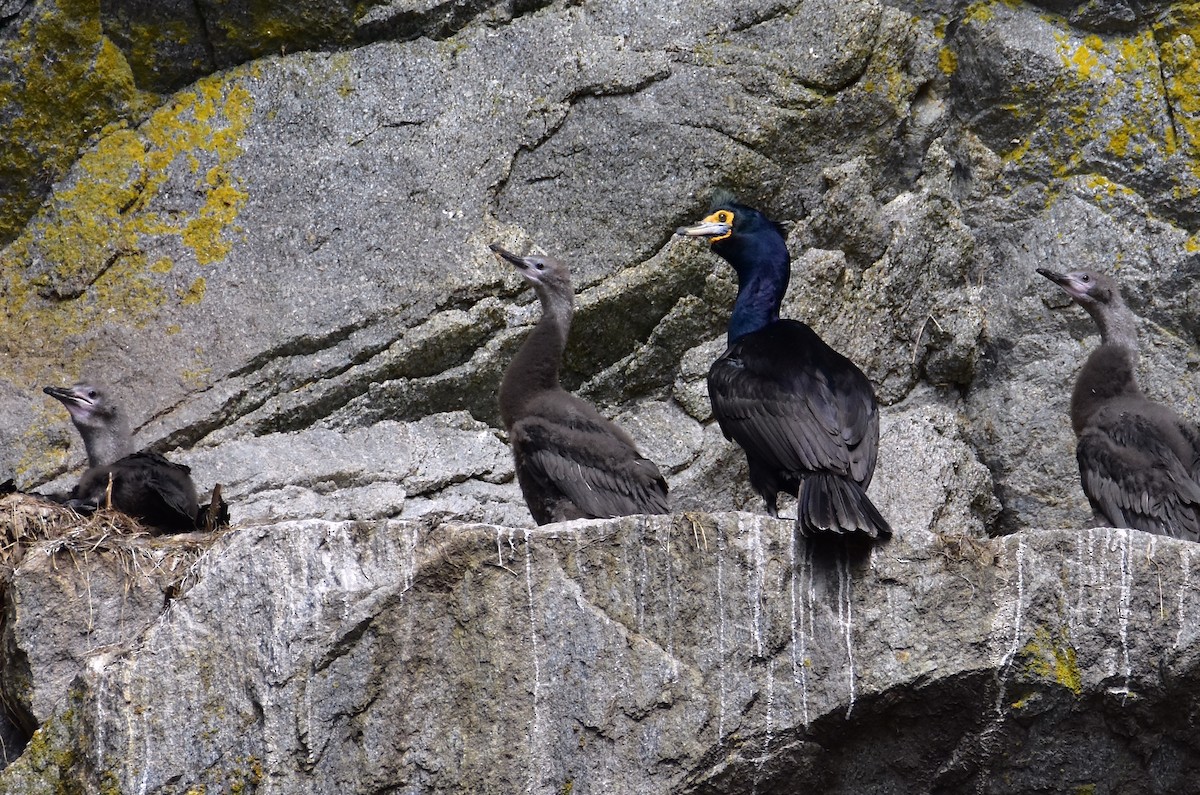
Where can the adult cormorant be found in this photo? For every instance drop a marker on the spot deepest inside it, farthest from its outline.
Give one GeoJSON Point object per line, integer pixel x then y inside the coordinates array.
{"type": "Point", "coordinates": [804, 414]}
{"type": "Point", "coordinates": [571, 462]}
{"type": "Point", "coordinates": [144, 485]}
{"type": "Point", "coordinates": [1139, 461]}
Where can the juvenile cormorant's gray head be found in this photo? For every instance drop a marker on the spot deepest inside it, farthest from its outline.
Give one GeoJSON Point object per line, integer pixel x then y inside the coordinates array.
{"type": "Point", "coordinates": [98, 419]}
{"type": "Point", "coordinates": [1101, 297]}
{"type": "Point", "coordinates": [1085, 287]}
{"type": "Point", "coordinates": [538, 271]}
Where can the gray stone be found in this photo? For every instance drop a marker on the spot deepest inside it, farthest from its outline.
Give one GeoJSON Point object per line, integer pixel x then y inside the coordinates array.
{"type": "Point", "coordinates": [285, 266]}
{"type": "Point", "coordinates": [365, 473]}
{"type": "Point", "coordinates": [72, 601]}
{"type": "Point", "coordinates": [700, 653]}
{"type": "Point", "coordinates": [10, 8]}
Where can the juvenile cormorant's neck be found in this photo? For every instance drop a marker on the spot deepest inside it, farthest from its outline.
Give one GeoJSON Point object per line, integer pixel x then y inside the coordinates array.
{"type": "Point", "coordinates": [536, 366]}
{"type": "Point", "coordinates": [1118, 326]}
{"type": "Point", "coordinates": [108, 444]}
{"type": "Point", "coordinates": [1107, 374]}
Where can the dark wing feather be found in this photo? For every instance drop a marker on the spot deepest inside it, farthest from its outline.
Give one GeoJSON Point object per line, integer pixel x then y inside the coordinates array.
{"type": "Point", "coordinates": [1191, 437]}
{"type": "Point", "coordinates": [795, 404]}
{"type": "Point", "coordinates": [171, 481]}
{"type": "Point", "coordinates": [147, 486]}
{"type": "Point", "coordinates": [565, 450]}
{"type": "Point", "coordinates": [1133, 477]}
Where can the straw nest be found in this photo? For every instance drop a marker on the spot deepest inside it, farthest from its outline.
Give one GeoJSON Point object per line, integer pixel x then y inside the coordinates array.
{"type": "Point", "coordinates": [31, 525]}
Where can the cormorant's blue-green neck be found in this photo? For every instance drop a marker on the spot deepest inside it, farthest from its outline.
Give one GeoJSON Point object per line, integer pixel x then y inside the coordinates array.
{"type": "Point", "coordinates": [758, 253]}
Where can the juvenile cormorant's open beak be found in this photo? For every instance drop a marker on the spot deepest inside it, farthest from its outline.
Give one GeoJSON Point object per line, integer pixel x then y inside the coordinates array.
{"type": "Point", "coordinates": [706, 228]}
{"type": "Point", "coordinates": [499, 251]}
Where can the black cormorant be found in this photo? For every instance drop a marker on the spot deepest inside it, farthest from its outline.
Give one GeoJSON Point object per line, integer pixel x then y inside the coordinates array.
{"type": "Point", "coordinates": [571, 462]}
{"type": "Point", "coordinates": [144, 485]}
{"type": "Point", "coordinates": [1139, 461]}
{"type": "Point", "coordinates": [806, 417]}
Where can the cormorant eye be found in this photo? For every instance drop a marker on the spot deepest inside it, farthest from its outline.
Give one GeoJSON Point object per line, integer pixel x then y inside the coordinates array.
{"type": "Point", "coordinates": [91, 393]}
{"type": "Point", "coordinates": [1087, 277]}
{"type": "Point", "coordinates": [540, 266]}
{"type": "Point", "coordinates": [725, 217]}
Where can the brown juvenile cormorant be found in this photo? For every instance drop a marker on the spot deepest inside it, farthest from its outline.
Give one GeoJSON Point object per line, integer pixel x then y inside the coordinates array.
{"type": "Point", "coordinates": [1139, 461]}
{"type": "Point", "coordinates": [804, 414]}
{"type": "Point", "coordinates": [145, 485]}
{"type": "Point", "coordinates": [571, 462]}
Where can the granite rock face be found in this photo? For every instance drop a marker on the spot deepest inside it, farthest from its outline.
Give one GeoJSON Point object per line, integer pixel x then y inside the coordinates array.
{"type": "Point", "coordinates": [701, 653]}
{"type": "Point", "coordinates": [266, 226]}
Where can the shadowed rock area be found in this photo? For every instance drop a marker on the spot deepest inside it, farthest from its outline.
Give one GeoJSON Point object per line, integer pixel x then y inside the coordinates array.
{"type": "Point", "coordinates": [266, 226]}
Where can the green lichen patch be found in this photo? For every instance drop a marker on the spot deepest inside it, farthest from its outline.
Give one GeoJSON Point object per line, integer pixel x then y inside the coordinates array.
{"type": "Point", "coordinates": [49, 763]}
{"type": "Point", "coordinates": [163, 53]}
{"type": "Point", "coordinates": [66, 82]}
{"type": "Point", "coordinates": [1051, 657]}
{"type": "Point", "coordinates": [83, 262]}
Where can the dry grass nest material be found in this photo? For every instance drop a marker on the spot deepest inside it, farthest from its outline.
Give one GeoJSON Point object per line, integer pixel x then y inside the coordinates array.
{"type": "Point", "coordinates": [30, 525]}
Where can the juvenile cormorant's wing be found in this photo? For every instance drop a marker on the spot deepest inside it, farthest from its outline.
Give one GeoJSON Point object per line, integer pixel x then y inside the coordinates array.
{"type": "Point", "coordinates": [1133, 478]}
{"type": "Point", "coordinates": [565, 454]}
{"type": "Point", "coordinates": [148, 487]}
{"type": "Point", "coordinates": [1191, 435]}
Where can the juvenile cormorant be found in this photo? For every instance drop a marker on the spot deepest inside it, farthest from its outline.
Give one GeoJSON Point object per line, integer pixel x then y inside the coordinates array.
{"type": "Point", "coordinates": [1139, 461]}
{"type": "Point", "coordinates": [804, 414]}
{"type": "Point", "coordinates": [145, 485]}
{"type": "Point", "coordinates": [571, 462]}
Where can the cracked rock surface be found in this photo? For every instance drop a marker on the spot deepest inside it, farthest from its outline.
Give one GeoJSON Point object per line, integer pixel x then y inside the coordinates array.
{"type": "Point", "coordinates": [702, 653]}
{"type": "Point", "coordinates": [266, 226]}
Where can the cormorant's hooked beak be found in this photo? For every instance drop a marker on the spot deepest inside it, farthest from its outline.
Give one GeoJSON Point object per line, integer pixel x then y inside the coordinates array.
{"type": "Point", "coordinates": [501, 252]}
{"type": "Point", "coordinates": [71, 397]}
{"type": "Point", "coordinates": [709, 228]}
{"type": "Point", "coordinates": [1058, 278]}
{"type": "Point", "coordinates": [1071, 285]}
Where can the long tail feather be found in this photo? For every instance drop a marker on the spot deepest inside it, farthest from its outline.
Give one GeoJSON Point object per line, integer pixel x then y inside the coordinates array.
{"type": "Point", "coordinates": [831, 504]}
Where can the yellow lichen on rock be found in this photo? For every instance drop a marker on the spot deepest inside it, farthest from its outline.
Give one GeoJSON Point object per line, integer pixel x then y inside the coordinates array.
{"type": "Point", "coordinates": [194, 293]}
{"type": "Point", "coordinates": [1081, 129]}
{"type": "Point", "coordinates": [90, 216]}
{"type": "Point", "coordinates": [69, 81]}
{"type": "Point", "coordinates": [1180, 52]}
{"type": "Point", "coordinates": [1082, 59]}
{"type": "Point", "coordinates": [979, 12]}
{"type": "Point", "coordinates": [83, 261]}
{"type": "Point", "coordinates": [1053, 658]}
{"type": "Point", "coordinates": [947, 61]}
{"type": "Point", "coordinates": [205, 234]}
